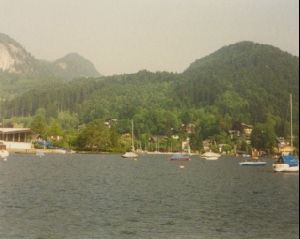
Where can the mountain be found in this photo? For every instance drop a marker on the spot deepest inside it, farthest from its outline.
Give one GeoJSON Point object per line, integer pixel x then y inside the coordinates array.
{"type": "Point", "coordinates": [15, 60]}
{"type": "Point", "coordinates": [261, 75]}
{"type": "Point", "coordinates": [74, 66]}
{"type": "Point", "coordinates": [243, 82]}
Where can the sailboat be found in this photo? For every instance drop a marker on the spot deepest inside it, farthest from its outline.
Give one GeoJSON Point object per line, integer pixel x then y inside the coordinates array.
{"type": "Point", "coordinates": [287, 162]}
{"type": "Point", "coordinates": [254, 161]}
{"type": "Point", "coordinates": [132, 153]}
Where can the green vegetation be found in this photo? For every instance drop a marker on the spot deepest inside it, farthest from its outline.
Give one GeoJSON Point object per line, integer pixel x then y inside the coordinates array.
{"type": "Point", "coordinates": [241, 83]}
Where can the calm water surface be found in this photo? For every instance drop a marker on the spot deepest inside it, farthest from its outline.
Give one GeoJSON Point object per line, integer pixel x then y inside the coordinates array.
{"type": "Point", "coordinates": [105, 196]}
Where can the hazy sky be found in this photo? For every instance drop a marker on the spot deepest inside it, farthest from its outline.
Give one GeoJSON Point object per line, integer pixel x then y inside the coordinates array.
{"type": "Point", "coordinates": [125, 36]}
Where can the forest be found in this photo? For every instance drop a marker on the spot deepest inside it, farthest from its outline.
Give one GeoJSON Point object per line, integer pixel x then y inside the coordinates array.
{"type": "Point", "coordinates": [241, 83]}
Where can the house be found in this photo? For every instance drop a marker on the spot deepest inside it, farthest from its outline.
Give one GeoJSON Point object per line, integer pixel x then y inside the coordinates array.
{"type": "Point", "coordinates": [16, 138]}
{"type": "Point", "coordinates": [247, 129]}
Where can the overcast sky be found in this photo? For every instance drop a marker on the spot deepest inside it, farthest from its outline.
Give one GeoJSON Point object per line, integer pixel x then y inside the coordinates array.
{"type": "Point", "coordinates": [125, 36]}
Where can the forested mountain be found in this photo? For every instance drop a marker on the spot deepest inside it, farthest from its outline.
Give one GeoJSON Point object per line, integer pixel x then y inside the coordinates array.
{"type": "Point", "coordinates": [20, 71]}
{"type": "Point", "coordinates": [243, 82]}
{"type": "Point", "coordinates": [258, 77]}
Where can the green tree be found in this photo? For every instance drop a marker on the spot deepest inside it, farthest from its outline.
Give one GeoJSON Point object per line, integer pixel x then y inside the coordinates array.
{"type": "Point", "coordinates": [39, 125]}
{"type": "Point", "coordinates": [263, 137]}
{"type": "Point", "coordinates": [95, 137]}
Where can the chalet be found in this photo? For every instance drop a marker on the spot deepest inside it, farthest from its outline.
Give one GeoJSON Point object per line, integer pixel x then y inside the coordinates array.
{"type": "Point", "coordinates": [16, 138]}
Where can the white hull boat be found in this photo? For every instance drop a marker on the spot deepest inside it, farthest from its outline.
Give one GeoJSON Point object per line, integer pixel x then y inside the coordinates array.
{"type": "Point", "coordinates": [285, 168]}
{"type": "Point", "coordinates": [287, 162]}
{"type": "Point", "coordinates": [211, 156]}
{"type": "Point", "coordinates": [130, 155]}
{"type": "Point", "coordinates": [259, 163]}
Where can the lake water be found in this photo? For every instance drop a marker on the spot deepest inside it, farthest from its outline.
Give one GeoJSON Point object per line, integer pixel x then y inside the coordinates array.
{"type": "Point", "coordinates": [108, 197]}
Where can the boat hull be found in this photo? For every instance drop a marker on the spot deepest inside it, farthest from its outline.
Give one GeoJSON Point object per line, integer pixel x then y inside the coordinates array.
{"type": "Point", "coordinates": [180, 159]}
{"type": "Point", "coordinates": [210, 156]}
{"type": "Point", "coordinates": [130, 155]}
{"type": "Point", "coordinates": [278, 167]}
{"type": "Point", "coordinates": [253, 163]}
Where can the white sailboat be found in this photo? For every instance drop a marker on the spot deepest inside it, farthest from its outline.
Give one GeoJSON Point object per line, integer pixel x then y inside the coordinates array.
{"type": "Point", "coordinates": [287, 162]}
{"type": "Point", "coordinates": [132, 153]}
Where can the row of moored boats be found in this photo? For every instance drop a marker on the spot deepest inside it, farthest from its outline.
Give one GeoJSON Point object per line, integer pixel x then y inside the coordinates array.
{"type": "Point", "coordinates": [285, 163]}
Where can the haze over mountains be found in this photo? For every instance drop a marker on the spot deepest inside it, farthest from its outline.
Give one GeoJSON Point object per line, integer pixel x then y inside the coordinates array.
{"type": "Point", "coordinates": [14, 59]}
{"type": "Point", "coordinates": [247, 73]}
{"type": "Point", "coordinates": [243, 82]}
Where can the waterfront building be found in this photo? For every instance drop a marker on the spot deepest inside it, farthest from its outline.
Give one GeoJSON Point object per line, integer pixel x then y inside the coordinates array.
{"type": "Point", "coordinates": [16, 138]}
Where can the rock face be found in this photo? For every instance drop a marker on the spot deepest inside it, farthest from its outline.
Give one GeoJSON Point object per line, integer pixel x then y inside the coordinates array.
{"type": "Point", "coordinates": [14, 59]}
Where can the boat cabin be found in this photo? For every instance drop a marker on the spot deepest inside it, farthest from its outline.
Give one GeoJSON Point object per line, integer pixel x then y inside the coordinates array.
{"type": "Point", "coordinates": [287, 159]}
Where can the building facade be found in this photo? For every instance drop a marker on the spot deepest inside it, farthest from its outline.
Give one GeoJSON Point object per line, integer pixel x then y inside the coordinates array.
{"type": "Point", "coordinates": [16, 138]}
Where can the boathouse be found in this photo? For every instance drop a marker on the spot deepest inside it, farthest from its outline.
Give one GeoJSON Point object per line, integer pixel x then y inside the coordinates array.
{"type": "Point", "coordinates": [16, 138]}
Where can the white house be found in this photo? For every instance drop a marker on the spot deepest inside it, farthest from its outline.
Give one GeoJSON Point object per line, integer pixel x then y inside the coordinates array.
{"type": "Point", "coordinates": [16, 138]}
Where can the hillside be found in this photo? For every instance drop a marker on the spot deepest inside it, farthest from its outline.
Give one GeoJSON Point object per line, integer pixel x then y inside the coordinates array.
{"type": "Point", "coordinates": [244, 82]}
{"type": "Point", "coordinates": [261, 75]}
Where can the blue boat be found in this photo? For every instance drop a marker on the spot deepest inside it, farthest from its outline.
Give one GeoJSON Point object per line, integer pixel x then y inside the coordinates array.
{"type": "Point", "coordinates": [286, 163]}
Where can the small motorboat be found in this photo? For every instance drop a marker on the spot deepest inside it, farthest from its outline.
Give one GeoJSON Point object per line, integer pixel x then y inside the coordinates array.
{"type": "Point", "coordinates": [253, 163]}
{"type": "Point", "coordinates": [180, 157]}
{"type": "Point", "coordinates": [210, 156]}
{"type": "Point", "coordinates": [130, 155]}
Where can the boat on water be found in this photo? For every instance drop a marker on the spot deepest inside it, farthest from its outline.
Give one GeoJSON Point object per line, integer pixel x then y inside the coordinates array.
{"type": "Point", "coordinates": [180, 157]}
{"type": "Point", "coordinates": [287, 162]}
{"type": "Point", "coordinates": [132, 153]}
{"type": "Point", "coordinates": [3, 152]}
{"type": "Point", "coordinates": [210, 155]}
{"type": "Point", "coordinates": [40, 154]}
{"type": "Point", "coordinates": [253, 163]}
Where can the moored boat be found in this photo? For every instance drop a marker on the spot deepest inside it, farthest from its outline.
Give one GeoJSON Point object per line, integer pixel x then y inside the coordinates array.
{"type": "Point", "coordinates": [210, 156]}
{"type": "Point", "coordinates": [253, 163]}
{"type": "Point", "coordinates": [180, 157]}
{"type": "Point", "coordinates": [130, 155]}
{"type": "Point", "coordinates": [286, 163]}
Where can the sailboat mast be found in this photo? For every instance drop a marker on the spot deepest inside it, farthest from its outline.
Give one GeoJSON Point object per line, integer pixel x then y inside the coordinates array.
{"type": "Point", "coordinates": [291, 120]}
{"type": "Point", "coordinates": [132, 137]}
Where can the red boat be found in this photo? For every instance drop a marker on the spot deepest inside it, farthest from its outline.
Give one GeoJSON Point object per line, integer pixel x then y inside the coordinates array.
{"type": "Point", "coordinates": [180, 157]}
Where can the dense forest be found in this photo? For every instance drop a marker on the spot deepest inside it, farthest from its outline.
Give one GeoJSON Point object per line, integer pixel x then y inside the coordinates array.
{"type": "Point", "coordinates": [240, 83]}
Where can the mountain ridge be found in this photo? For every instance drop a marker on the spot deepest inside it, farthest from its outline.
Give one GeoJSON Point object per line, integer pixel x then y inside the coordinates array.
{"type": "Point", "coordinates": [15, 59]}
